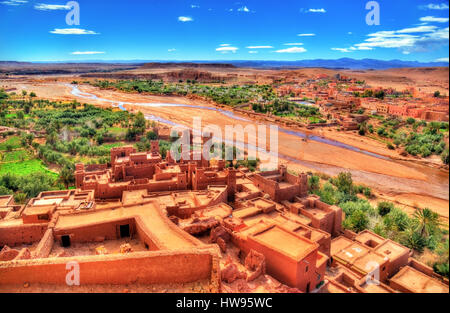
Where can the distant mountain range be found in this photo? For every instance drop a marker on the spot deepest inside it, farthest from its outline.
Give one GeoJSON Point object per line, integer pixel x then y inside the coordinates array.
{"type": "Point", "coordinates": [344, 63]}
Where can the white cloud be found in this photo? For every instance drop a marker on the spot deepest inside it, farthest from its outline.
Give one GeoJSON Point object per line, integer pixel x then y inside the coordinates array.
{"type": "Point", "coordinates": [416, 39]}
{"type": "Point", "coordinates": [253, 52]}
{"type": "Point", "coordinates": [345, 50]}
{"type": "Point", "coordinates": [51, 7]}
{"type": "Point", "coordinates": [350, 33]}
{"type": "Point", "coordinates": [418, 29]}
{"type": "Point", "coordinates": [172, 50]}
{"type": "Point", "coordinates": [14, 2]}
{"type": "Point", "coordinates": [259, 47]}
{"type": "Point", "coordinates": [225, 45]}
{"type": "Point", "coordinates": [361, 48]}
{"type": "Point", "coordinates": [194, 6]}
{"type": "Point", "coordinates": [312, 10]}
{"type": "Point", "coordinates": [226, 49]}
{"type": "Point", "coordinates": [87, 52]}
{"type": "Point", "coordinates": [73, 31]}
{"type": "Point", "coordinates": [442, 60]}
{"type": "Point", "coordinates": [292, 50]}
{"type": "Point", "coordinates": [293, 44]}
{"type": "Point", "coordinates": [434, 19]}
{"type": "Point", "coordinates": [433, 6]}
{"type": "Point", "coordinates": [243, 9]}
{"type": "Point", "coordinates": [306, 35]}
{"type": "Point", "coordinates": [322, 10]}
{"type": "Point", "coordinates": [185, 19]}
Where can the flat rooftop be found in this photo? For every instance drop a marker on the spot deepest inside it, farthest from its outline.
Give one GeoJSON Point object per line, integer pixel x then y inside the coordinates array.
{"type": "Point", "coordinates": [351, 253]}
{"type": "Point", "coordinates": [391, 249]}
{"type": "Point", "coordinates": [5, 200]}
{"type": "Point", "coordinates": [152, 217]}
{"type": "Point", "coordinates": [418, 282]}
{"type": "Point", "coordinates": [338, 244]}
{"type": "Point", "coordinates": [285, 242]}
{"type": "Point", "coordinates": [369, 238]}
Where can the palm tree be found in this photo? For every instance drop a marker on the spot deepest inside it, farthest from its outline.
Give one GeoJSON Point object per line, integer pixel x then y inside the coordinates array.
{"type": "Point", "coordinates": [427, 221]}
{"type": "Point", "coordinates": [414, 240]}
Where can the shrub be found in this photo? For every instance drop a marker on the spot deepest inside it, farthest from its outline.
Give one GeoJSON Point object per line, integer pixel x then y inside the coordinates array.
{"type": "Point", "coordinates": [367, 192]}
{"type": "Point", "coordinates": [344, 182]}
{"type": "Point", "coordinates": [396, 220]}
{"type": "Point", "coordinates": [20, 197]}
{"type": "Point", "coordinates": [314, 182]}
{"type": "Point", "coordinates": [414, 240]}
{"type": "Point", "coordinates": [410, 120]}
{"type": "Point", "coordinates": [384, 208]}
{"type": "Point", "coordinates": [357, 222]}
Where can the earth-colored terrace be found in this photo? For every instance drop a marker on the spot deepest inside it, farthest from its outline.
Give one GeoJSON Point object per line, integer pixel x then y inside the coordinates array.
{"type": "Point", "coordinates": [411, 280]}
{"type": "Point", "coordinates": [154, 221]}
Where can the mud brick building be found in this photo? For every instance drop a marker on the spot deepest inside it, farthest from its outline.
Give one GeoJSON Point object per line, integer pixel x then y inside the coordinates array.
{"type": "Point", "coordinates": [148, 221]}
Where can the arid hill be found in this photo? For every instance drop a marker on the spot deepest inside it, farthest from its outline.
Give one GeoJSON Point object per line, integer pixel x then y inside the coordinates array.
{"type": "Point", "coordinates": [25, 68]}
{"type": "Point", "coordinates": [186, 65]}
{"type": "Point", "coordinates": [428, 79]}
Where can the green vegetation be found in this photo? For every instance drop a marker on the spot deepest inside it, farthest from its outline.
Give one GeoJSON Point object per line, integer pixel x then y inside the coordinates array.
{"type": "Point", "coordinates": [417, 138]}
{"type": "Point", "coordinates": [228, 95]}
{"type": "Point", "coordinates": [27, 186]}
{"type": "Point", "coordinates": [262, 98]}
{"type": "Point", "coordinates": [10, 144]}
{"type": "Point", "coordinates": [25, 168]}
{"type": "Point", "coordinates": [418, 232]}
{"type": "Point", "coordinates": [72, 133]}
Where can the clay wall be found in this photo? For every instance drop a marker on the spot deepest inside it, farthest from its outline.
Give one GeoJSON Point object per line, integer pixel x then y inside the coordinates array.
{"type": "Point", "coordinates": [44, 247]}
{"type": "Point", "coordinates": [396, 264]}
{"type": "Point", "coordinates": [278, 265]}
{"type": "Point", "coordinates": [286, 193]}
{"type": "Point", "coordinates": [181, 266]}
{"type": "Point", "coordinates": [89, 233]}
{"type": "Point", "coordinates": [267, 186]}
{"type": "Point", "coordinates": [21, 234]}
{"type": "Point", "coordinates": [140, 171]}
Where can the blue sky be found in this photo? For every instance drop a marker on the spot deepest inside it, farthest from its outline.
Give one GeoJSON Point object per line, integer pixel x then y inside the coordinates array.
{"type": "Point", "coordinates": [223, 30]}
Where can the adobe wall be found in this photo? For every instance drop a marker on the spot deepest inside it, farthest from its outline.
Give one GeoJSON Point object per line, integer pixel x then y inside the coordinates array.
{"type": "Point", "coordinates": [338, 218]}
{"type": "Point", "coordinates": [146, 236]}
{"type": "Point", "coordinates": [109, 191]}
{"type": "Point", "coordinates": [45, 246]}
{"type": "Point", "coordinates": [284, 268]}
{"type": "Point", "coordinates": [153, 243]}
{"type": "Point", "coordinates": [288, 193]}
{"type": "Point", "coordinates": [395, 265]}
{"type": "Point", "coordinates": [140, 171]}
{"type": "Point", "coordinates": [21, 234]}
{"type": "Point", "coordinates": [278, 265]}
{"type": "Point", "coordinates": [426, 270]}
{"type": "Point", "coordinates": [267, 186]}
{"type": "Point", "coordinates": [97, 229]}
{"type": "Point", "coordinates": [181, 266]}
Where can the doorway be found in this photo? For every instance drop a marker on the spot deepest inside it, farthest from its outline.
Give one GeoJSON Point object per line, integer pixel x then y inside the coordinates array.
{"type": "Point", "coordinates": [65, 241]}
{"type": "Point", "coordinates": [124, 231]}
